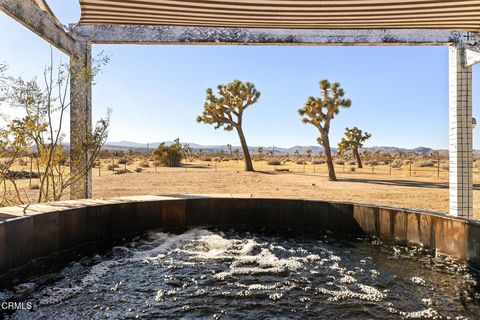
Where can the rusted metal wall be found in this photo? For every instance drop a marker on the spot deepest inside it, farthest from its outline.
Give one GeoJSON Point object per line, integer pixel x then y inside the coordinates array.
{"type": "Point", "coordinates": [47, 229]}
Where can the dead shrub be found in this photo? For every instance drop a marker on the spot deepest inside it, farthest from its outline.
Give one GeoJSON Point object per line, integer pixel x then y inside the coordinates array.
{"type": "Point", "coordinates": [274, 162]}
{"type": "Point", "coordinates": [426, 164]}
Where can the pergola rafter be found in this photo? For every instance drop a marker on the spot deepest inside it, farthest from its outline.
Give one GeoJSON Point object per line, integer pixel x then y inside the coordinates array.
{"type": "Point", "coordinates": [272, 22]}
{"type": "Point", "coordinates": [41, 22]}
{"type": "Point", "coordinates": [156, 34]}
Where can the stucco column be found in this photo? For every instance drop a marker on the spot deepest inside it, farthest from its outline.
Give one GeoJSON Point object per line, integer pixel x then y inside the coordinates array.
{"type": "Point", "coordinates": [80, 124]}
{"type": "Point", "coordinates": [460, 134]}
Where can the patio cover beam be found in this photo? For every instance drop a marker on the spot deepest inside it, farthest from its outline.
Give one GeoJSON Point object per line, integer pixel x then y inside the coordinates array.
{"type": "Point", "coordinates": [154, 34]}
{"type": "Point", "coordinates": [29, 14]}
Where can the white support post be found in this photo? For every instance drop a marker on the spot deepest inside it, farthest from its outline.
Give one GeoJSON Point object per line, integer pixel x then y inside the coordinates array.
{"type": "Point", "coordinates": [460, 134]}
{"type": "Point", "coordinates": [81, 125]}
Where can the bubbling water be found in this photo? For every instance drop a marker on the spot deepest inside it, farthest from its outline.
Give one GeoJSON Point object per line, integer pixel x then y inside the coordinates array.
{"type": "Point", "coordinates": [215, 274]}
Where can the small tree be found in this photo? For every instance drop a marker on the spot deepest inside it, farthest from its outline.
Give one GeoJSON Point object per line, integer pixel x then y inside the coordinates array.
{"type": "Point", "coordinates": [227, 110]}
{"type": "Point", "coordinates": [309, 153]}
{"type": "Point", "coordinates": [230, 149]}
{"type": "Point", "coordinates": [353, 140]}
{"type": "Point", "coordinates": [44, 107]}
{"type": "Point", "coordinates": [320, 111]}
{"type": "Point", "coordinates": [260, 153]}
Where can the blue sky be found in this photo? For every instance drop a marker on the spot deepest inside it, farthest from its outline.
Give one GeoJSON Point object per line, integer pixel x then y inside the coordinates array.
{"type": "Point", "coordinates": [399, 94]}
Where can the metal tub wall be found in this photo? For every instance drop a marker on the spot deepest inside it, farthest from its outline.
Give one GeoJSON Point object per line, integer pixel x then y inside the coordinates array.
{"type": "Point", "coordinates": [46, 229]}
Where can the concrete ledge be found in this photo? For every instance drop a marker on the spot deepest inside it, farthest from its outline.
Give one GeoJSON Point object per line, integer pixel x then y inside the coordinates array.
{"type": "Point", "coordinates": [37, 231]}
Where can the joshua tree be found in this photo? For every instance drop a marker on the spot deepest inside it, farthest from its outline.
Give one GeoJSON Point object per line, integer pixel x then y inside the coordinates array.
{"type": "Point", "coordinates": [320, 111]}
{"type": "Point", "coordinates": [309, 153]}
{"type": "Point", "coordinates": [237, 154]}
{"type": "Point", "coordinates": [230, 148]}
{"type": "Point", "coordinates": [260, 153]}
{"type": "Point", "coordinates": [296, 153]}
{"type": "Point", "coordinates": [227, 109]}
{"type": "Point", "coordinates": [353, 140]}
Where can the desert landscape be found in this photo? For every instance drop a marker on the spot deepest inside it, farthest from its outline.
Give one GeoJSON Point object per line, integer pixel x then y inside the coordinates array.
{"type": "Point", "coordinates": [423, 185]}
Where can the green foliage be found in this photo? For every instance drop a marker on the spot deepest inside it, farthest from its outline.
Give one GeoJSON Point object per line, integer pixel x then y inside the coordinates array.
{"type": "Point", "coordinates": [44, 107]}
{"type": "Point", "coordinates": [321, 110]}
{"type": "Point", "coordinates": [170, 156]}
{"type": "Point", "coordinates": [226, 109]}
{"type": "Point", "coordinates": [353, 140]}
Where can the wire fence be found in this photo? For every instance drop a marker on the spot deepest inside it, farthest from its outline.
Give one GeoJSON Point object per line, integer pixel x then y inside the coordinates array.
{"type": "Point", "coordinates": [116, 166]}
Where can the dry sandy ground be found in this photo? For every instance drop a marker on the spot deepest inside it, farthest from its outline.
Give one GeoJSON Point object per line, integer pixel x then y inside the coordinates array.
{"type": "Point", "coordinates": [413, 192]}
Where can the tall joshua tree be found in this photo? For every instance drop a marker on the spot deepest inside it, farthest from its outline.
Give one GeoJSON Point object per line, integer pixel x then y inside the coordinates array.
{"type": "Point", "coordinates": [320, 111]}
{"type": "Point", "coordinates": [226, 110]}
{"type": "Point", "coordinates": [353, 140]}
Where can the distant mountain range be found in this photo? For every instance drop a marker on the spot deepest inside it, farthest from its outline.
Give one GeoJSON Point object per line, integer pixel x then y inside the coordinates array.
{"type": "Point", "coordinates": [143, 147]}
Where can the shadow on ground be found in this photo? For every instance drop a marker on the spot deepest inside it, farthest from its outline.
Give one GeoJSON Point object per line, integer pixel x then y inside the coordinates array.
{"type": "Point", "coordinates": [404, 183]}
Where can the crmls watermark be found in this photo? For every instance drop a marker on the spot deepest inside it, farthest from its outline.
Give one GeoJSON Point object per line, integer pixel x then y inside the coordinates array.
{"type": "Point", "coordinates": [16, 306]}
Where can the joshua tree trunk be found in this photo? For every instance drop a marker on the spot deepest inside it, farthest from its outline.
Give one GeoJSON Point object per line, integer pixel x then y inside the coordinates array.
{"type": "Point", "coordinates": [357, 156]}
{"type": "Point", "coordinates": [246, 153]}
{"type": "Point", "coordinates": [328, 154]}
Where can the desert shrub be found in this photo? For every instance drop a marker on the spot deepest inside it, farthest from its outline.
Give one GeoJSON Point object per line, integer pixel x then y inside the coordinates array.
{"type": "Point", "coordinates": [217, 159]}
{"type": "Point", "coordinates": [19, 175]}
{"type": "Point", "coordinates": [122, 161]}
{"type": "Point", "coordinates": [157, 163]}
{"type": "Point", "coordinates": [21, 162]}
{"type": "Point", "coordinates": [225, 159]}
{"type": "Point", "coordinates": [123, 171]}
{"type": "Point", "coordinates": [96, 164]}
{"type": "Point", "coordinates": [340, 162]}
{"type": "Point", "coordinates": [138, 170]}
{"type": "Point", "coordinates": [274, 162]}
{"type": "Point", "coordinates": [300, 161]}
{"type": "Point", "coordinates": [207, 159]}
{"type": "Point", "coordinates": [425, 164]}
{"type": "Point", "coordinates": [112, 167]}
{"type": "Point", "coordinates": [397, 164]}
{"type": "Point", "coordinates": [445, 166]}
{"type": "Point", "coordinates": [352, 169]}
{"type": "Point", "coordinates": [352, 163]}
{"type": "Point", "coordinates": [35, 187]}
{"type": "Point", "coordinates": [170, 156]}
{"type": "Point", "coordinates": [320, 161]}
{"type": "Point", "coordinates": [144, 164]}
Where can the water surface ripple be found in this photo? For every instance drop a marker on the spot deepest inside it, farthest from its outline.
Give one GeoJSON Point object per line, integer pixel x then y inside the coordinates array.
{"type": "Point", "coordinates": [253, 275]}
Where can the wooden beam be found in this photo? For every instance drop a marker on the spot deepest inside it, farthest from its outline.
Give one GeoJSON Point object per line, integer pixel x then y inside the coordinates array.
{"type": "Point", "coordinates": [31, 16]}
{"type": "Point", "coordinates": [151, 34]}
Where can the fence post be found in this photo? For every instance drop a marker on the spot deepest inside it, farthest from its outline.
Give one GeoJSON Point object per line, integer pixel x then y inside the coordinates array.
{"type": "Point", "coordinates": [215, 166]}
{"type": "Point", "coordinates": [304, 167]}
{"type": "Point", "coordinates": [113, 165]}
{"type": "Point", "coordinates": [373, 167]}
{"type": "Point", "coordinates": [390, 168]}
{"type": "Point", "coordinates": [438, 169]}
{"type": "Point", "coordinates": [99, 169]}
{"type": "Point", "coordinates": [410, 170]}
{"type": "Point", "coordinates": [31, 169]}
